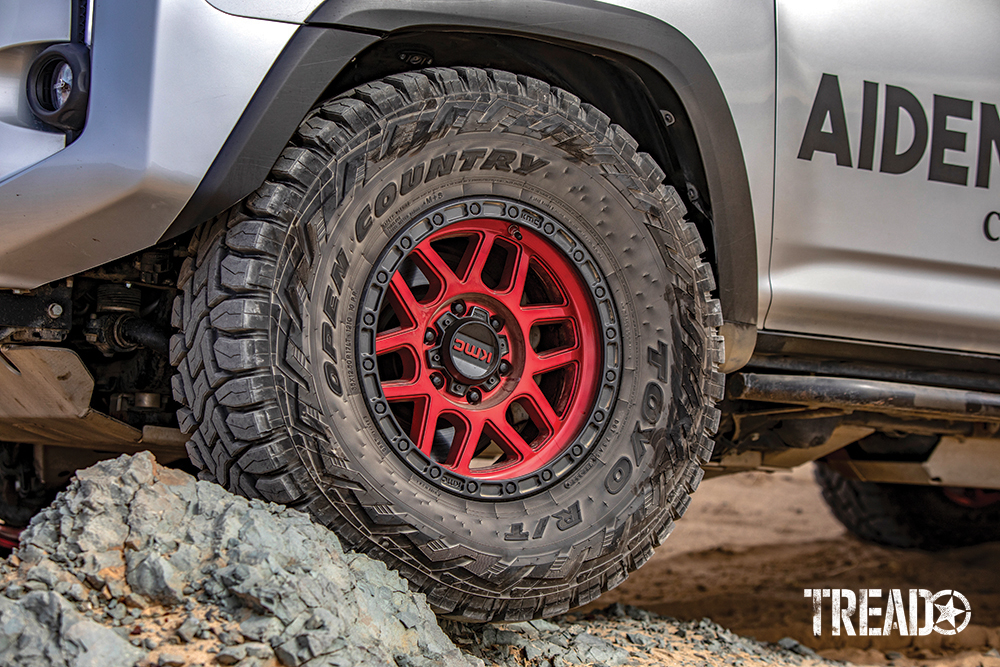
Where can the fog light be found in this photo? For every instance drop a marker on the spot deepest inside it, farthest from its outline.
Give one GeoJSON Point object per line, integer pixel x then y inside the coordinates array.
{"type": "Point", "coordinates": [62, 85]}
{"type": "Point", "coordinates": [58, 86]}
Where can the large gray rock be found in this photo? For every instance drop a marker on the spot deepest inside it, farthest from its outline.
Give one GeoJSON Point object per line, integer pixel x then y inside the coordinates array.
{"type": "Point", "coordinates": [44, 629]}
{"type": "Point", "coordinates": [141, 535]}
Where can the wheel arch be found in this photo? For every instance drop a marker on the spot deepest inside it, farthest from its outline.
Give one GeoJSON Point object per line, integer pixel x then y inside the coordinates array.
{"type": "Point", "coordinates": [636, 69]}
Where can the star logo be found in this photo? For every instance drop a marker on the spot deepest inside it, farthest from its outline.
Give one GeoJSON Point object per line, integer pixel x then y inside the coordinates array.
{"type": "Point", "coordinates": [949, 614]}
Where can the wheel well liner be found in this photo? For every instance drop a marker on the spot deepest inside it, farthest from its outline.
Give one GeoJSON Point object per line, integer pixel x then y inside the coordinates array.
{"type": "Point", "coordinates": [621, 71]}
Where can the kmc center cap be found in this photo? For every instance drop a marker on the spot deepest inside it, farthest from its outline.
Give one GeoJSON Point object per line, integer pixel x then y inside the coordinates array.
{"type": "Point", "coordinates": [472, 352]}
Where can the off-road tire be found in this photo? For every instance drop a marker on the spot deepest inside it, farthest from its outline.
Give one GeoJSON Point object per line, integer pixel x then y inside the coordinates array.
{"type": "Point", "coordinates": [904, 515]}
{"type": "Point", "coordinates": [22, 493]}
{"type": "Point", "coordinates": [270, 376]}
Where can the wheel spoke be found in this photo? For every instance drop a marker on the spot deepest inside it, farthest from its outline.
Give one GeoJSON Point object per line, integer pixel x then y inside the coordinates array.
{"type": "Point", "coordinates": [546, 313]}
{"type": "Point", "coordinates": [512, 440]}
{"type": "Point", "coordinates": [484, 244]}
{"type": "Point", "coordinates": [540, 404]}
{"type": "Point", "coordinates": [395, 339]}
{"type": "Point", "coordinates": [403, 302]}
{"type": "Point", "coordinates": [425, 417]}
{"type": "Point", "coordinates": [535, 364]}
{"type": "Point", "coordinates": [432, 261]}
{"type": "Point", "coordinates": [519, 275]}
{"type": "Point", "coordinates": [407, 310]}
{"type": "Point", "coordinates": [403, 390]}
{"type": "Point", "coordinates": [463, 450]}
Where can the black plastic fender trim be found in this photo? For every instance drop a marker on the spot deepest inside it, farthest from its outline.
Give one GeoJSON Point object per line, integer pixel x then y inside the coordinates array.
{"type": "Point", "coordinates": [311, 60]}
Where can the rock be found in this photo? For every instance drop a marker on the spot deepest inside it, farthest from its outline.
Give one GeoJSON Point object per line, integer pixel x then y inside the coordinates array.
{"type": "Point", "coordinates": [231, 655]}
{"type": "Point", "coordinates": [639, 639]}
{"type": "Point", "coordinates": [142, 534]}
{"type": "Point", "coordinates": [171, 660]}
{"type": "Point", "coordinates": [154, 577]}
{"type": "Point", "coordinates": [544, 626]}
{"type": "Point", "coordinates": [188, 629]}
{"type": "Point", "coordinates": [792, 645]}
{"type": "Point", "coordinates": [258, 650]}
{"type": "Point", "coordinates": [593, 649]}
{"type": "Point", "coordinates": [44, 627]}
{"type": "Point", "coordinates": [788, 643]}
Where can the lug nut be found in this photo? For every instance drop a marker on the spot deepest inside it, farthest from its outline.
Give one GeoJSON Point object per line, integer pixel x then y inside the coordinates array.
{"type": "Point", "coordinates": [504, 367]}
{"type": "Point", "coordinates": [496, 323]}
{"type": "Point", "coordinates": [429, 336]}
{"type": "Point", "coordinates": [458, 307]}
{"type": "Point", "coordinates": [473, 396]}
{"type": "Point", "coordinates": [437, 380]}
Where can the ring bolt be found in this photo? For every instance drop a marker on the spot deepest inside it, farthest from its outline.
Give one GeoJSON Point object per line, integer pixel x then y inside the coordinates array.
{"type": "Point", "coordinates": [473, 396]}
{"type": "Point", "coordinates": [504, 367]}
{"type": "Point", "coordinates": [458, 307]}
{"type": "Point", "coordinates": [437, 380]}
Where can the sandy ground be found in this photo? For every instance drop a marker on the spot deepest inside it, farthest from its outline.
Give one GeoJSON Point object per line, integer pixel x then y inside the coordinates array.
{"type": "Point", "coordinates": [751, 543]}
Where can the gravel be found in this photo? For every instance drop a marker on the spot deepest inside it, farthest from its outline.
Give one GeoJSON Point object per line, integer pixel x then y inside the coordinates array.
{"type": "Point", "coordinates": [623, 635]}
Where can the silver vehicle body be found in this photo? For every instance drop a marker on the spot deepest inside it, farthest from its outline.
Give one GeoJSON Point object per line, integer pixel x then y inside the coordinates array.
{"type": "Point", "coordinates": [842, 252]}
{"type": "Point", "coordinates": [169, 80]}
{"type": "Point", "coordinates": [896, 257]}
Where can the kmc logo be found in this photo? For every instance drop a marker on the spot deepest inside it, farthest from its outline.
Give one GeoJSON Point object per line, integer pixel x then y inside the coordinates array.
{"type": "Point", "coordinates": [470, 350]}
{"type": "Point", "coordinates": [946, 612]}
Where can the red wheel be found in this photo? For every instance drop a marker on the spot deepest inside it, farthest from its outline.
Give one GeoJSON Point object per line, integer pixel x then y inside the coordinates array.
{"type": "Point", "coordinates": [484, 350]}
{"type": "Point", "coordinates": [973, 498]}
{"type": "Point", "coordinates": [487, 348]}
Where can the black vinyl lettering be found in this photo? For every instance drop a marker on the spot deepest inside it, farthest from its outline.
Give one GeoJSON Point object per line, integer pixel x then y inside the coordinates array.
{"type": "Point", "coordinates": [828, 102]}
{"type": "Point", "coordinates": [989, 139]}
{"type": "Point", "coordinates": [330, 304]}
{"type": "Point", "coordinates": [385, 199]}
{"type": "Point", "coordinates": [943, 139]}
{"type": "Point", "coordinates": [618, 476]}
{"type": "Point", "coordinates": [339, 270]}
{"type": "Point", "coordinates": [499, 160]}
{"type": "Point", "coordinates": [896, 100]}
{"type": "Point", "coordinates": [469, 158]}
{"type": "Point", "coordinates": [328, 347]}
{"type": "Point", "coordinates": [987, 232]}
{"type": "Point", "coordinates": [411, 179]}
{"type": "Point", "coordinates": [530, 163]}
{"type": "Point", "coordinates": [869, 121]}
{"type": "Point", "coordinates": [652, 402]}
{"type": "Point", "coordinates": [332, 378]}
{"type": "Point", "coordinates": [440, 166]}
{"type": "Point", "coordinates": [363, 223]}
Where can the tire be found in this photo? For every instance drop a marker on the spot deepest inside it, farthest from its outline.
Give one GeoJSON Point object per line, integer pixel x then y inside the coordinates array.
{"type": "Point", "coordinates": [375, 211]}
{"type": "Point", "coordinates": [22, 494]}
{"type": "Point", "coordinates": [907, 516]}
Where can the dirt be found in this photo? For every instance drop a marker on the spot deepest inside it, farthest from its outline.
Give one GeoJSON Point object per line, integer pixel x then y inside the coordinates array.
{"type": "Point", "coordinates": [751, 543]}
